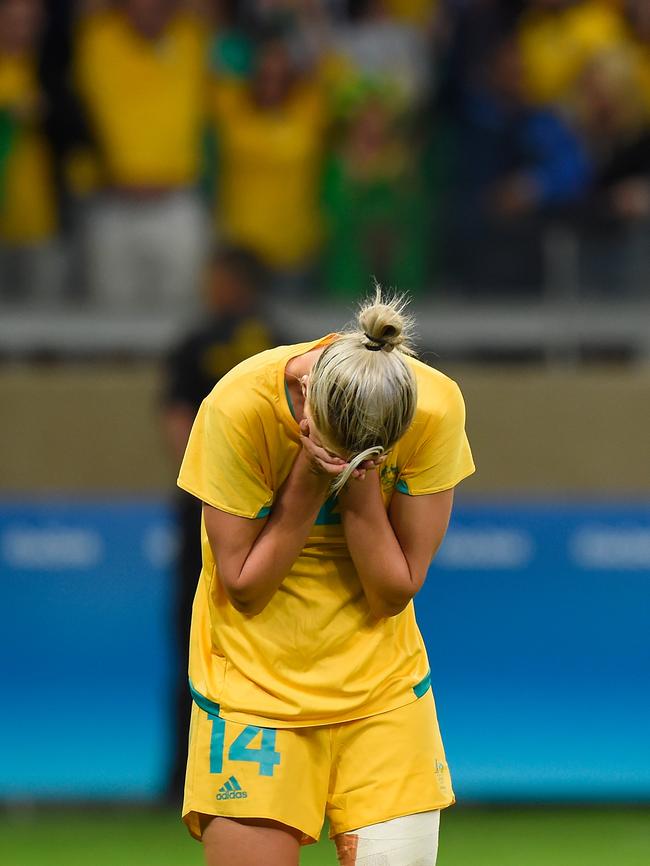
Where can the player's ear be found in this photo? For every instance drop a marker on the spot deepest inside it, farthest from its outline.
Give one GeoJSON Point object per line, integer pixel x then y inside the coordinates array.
{"type": "Point", "coordinates": [304, 381]}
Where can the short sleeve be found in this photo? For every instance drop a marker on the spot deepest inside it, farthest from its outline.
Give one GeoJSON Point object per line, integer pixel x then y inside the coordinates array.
{"type": "Point", "coordinates": [221, 465]}
{"type": "Point", "coordinates": [443, 457]}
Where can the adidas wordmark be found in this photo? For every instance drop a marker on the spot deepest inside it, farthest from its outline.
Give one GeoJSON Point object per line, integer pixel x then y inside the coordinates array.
{"type": "Point", "coordinates": [231, 790]}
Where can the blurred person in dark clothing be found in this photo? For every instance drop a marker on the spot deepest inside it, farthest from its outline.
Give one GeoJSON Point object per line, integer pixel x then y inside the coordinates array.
{"type": "Point", "coordinates": [233, 329]}
{"type": "Point", "coordinates": [637, 16]}
{"type": "Point", "coordinates": [473, 28]}
{"type": "Point", "coordinates": [515, 165]}
{"type": "Point", "coordinates": [64, 119]}
{"type": "Point", "coordinates": [615, 124]}
{"type": "Point", "coordinates": [69, 135]}
{"type": "Point", "coordinates": [611, 111]}
{"type": "Point", "coordinates": [29, 256]}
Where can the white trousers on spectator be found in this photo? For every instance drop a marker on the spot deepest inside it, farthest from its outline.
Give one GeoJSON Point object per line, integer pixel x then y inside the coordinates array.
{"type": "Point", "coordinates": [32, 274]}
{"type": "Point", "coordinates": [146, 254]}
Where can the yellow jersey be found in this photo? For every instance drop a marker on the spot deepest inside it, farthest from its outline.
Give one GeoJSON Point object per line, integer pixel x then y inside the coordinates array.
{"type": "Point", "coordinates": [270, 171]}
{"type": "Point", "coordinates": [639, 53]}
{"type": "Point", "coordinates": [145, 98]}
{"type": "Point", "coordinates": [314, 655]}
{"type": "Point", "coordinates": [556, 46]}
{"type": "Point", "coordinates": [418, 12]}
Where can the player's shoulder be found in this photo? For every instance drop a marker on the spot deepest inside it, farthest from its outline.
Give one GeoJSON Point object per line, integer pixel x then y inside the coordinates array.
{"type": "Point", "coordinates": [438, 394]}
{"type": "Point", "coordinates": [253, 385]}
{"type": "Point", "coordinates": [251, 373]}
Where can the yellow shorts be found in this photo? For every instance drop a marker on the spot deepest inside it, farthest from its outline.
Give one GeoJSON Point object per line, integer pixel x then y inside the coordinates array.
{"type": "Point", "coordinates": [356, 773]}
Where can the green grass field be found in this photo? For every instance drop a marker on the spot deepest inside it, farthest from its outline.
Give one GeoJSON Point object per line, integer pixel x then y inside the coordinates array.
{"type": "Point", "coordinates": [469, 837]}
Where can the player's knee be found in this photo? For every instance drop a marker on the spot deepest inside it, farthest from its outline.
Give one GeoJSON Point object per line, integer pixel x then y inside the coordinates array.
{"type": "Point", "coordinates": [408, 841]}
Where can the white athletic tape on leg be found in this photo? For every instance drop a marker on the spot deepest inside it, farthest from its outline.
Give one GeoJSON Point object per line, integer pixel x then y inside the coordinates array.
{"type": "Point", "coordinates": [408, 841]}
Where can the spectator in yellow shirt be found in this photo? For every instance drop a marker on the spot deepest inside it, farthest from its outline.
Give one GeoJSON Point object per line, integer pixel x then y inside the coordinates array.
{"type": "Point", "coordinates": [270, 142]}
{"type": "Point", "coordinates": [418, 12]}
{"type": "Point", "coordinates": [28, 255]}
{"type": "Point", "coordinates": [140, 69]}
{"type": "Point", "coordinates": [559, 37]}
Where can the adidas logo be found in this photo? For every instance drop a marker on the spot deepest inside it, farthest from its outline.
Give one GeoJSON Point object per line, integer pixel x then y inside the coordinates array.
{"type": "Point", "coordinates": [231, 790]}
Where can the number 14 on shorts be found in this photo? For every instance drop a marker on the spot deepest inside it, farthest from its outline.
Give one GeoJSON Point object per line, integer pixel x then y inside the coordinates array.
{"type": "Point", "coordinates": [241, 749]}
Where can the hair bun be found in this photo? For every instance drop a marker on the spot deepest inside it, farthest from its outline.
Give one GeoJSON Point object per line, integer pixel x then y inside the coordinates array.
{"type": "Point", "coordinates": [383, 325]}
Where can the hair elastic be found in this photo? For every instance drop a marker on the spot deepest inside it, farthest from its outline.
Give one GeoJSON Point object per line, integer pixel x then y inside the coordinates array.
{"type": "Point", "coordinates": [379, 340]}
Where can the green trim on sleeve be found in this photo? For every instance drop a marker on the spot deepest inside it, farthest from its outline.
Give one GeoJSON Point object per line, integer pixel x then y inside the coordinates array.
{"type": "Point", "coordinates": [423, 686]}
{"type": "Point", "coordinates": [264, 511]}
{"type": "Point", "coordinates": [402, 487]}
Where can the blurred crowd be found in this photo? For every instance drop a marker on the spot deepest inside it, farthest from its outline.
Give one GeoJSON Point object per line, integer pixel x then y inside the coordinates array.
{"type": "Point", "coordinates": [428, 143]}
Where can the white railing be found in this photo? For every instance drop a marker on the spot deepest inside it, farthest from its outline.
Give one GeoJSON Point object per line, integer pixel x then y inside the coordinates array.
{"type": "Point", "coordinates": [562, 322]}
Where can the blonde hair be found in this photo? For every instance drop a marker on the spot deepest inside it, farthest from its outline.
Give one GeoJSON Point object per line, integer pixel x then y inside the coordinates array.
{"type": "Point", "coordinates": [362, 392]}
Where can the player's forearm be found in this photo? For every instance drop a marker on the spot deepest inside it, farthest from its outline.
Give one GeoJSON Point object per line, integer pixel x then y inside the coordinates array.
{"type": "Point", "coordinates": [280, 542]}
{"type": "Point", "coordinates": [374, 548]}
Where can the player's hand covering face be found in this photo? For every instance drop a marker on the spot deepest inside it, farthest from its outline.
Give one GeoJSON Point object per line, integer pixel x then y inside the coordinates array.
{"type": "Point", "coordinates": [322, 459]}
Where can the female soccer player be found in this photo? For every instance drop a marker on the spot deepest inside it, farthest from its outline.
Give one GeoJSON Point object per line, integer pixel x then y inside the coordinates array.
{"type": "Point", "coordinates": [327, 472]}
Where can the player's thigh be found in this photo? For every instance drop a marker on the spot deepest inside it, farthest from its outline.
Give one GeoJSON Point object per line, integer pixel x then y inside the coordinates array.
{"type": "Point", "coordinates": [388, 766]}
{"type": "Point", "coordinates": [249, 842]}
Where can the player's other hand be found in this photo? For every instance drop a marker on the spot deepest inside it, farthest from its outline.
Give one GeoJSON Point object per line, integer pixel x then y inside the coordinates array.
{"type": "Point", "coordinates": [367, 466]}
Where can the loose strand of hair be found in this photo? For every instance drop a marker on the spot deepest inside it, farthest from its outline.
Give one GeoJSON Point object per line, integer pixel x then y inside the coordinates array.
{"type": "Point", "coordinates": [342, 479]}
